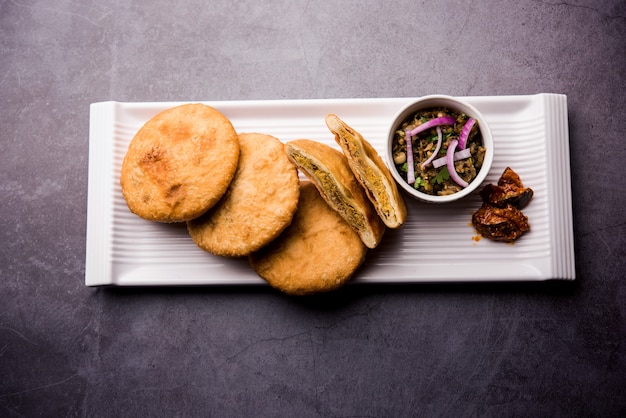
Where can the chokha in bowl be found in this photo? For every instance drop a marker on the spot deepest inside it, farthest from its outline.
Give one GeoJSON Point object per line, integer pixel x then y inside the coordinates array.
{"type": "Point", "coordinates": [440, 148]}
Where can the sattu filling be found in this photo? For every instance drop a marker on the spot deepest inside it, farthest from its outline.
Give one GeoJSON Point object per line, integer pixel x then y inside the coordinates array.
{"type": "Point", "coordinates": [331, 188]}
{"type": "Point", "coordinates": [373, 178]}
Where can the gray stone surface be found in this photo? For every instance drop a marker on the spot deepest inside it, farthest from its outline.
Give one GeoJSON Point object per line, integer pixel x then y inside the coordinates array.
{"type": "Point", "coordinates": [546, 349]}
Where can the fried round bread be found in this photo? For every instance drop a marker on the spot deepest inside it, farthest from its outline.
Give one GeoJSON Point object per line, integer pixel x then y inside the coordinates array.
{"type": "Point", "coordinates": [179, 163]}
{"type": "Point", "coordinates": [370, 170]}
{"type": "Point", "coordinates": [329, 170]}
{"type": "Point", "coordinates": [317, 253]}
{"type": "Point", "coordinates": [258, 205]}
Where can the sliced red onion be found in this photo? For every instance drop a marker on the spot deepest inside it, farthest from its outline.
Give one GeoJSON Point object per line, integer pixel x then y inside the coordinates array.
{"type": "Point", "coordinates": [450, 164]}
{"type": "Point", "coordinates": [465, 133]}
{"type": "Point", "coordinates": [444, 120]}
{"type": "Point", "coordinates": [437, 148]}
{"type": "Point", "coordinates": [459, 155]}
{"type": "Point", "coordinates": [410, 176]}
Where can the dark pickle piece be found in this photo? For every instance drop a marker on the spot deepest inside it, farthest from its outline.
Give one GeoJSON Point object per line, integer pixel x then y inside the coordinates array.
{"type": "Point", "coordinates": [500, 217]}
{"type": "Point", "coordinates": [500, 224]}
{"type": "Point", "coordinates": [509, 191]}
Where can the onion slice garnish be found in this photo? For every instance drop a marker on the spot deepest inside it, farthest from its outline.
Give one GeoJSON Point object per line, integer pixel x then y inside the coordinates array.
{"type": "Point", "coordinates": [410, 176]}
{"type": "Point", "coordinates": [450, 164]}
{"type": "Point", "coordinates": [465, 133]}
{"type": "Point", "coordinates": [459, 155]}
{"type": "Point", "coordinates": [444, 120]}
{"type": "Point", "coordinates": [437, 148]}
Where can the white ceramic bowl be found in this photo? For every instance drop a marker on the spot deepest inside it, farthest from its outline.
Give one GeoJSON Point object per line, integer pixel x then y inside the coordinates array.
{"type": "Point", "coordinates": [452, 103]}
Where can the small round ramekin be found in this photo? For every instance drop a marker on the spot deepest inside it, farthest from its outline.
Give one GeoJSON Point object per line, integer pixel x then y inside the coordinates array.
{"type": "Point", "coordinates": [455, 104]}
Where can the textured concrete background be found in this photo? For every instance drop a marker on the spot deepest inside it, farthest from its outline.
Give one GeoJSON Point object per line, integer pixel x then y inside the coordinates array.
{"type": "Point", "coordinates": [547, 349]}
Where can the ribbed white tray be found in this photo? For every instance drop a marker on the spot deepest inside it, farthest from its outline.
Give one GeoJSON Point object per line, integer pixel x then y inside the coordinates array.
{"type": "Point", "coordinates": [437, 244]}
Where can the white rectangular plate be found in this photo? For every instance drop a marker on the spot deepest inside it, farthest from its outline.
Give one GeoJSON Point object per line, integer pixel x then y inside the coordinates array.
{"type": "Point", "coordinates": [437, 243]}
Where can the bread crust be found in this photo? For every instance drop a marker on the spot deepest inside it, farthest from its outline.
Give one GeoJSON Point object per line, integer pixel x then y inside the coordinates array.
{"type": "Point", "coordinates": [318, 252]}
{"type": "Point", "coordinates": [258, 205]}
{"type": "Point", "coordinates": [179, 163]}
{"type": "Point", "coordinates": [371, 172]}
{"type": "Point", "coordinates": [329, 170]}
